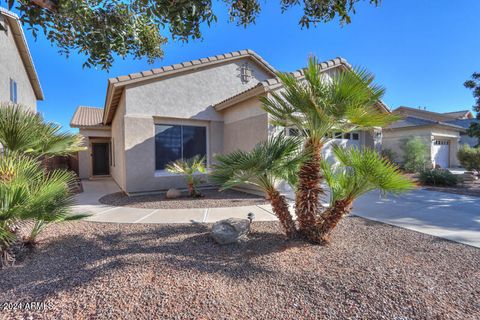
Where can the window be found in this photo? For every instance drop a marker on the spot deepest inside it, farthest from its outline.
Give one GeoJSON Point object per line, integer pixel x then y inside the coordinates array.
{"type": "Point", "coordinates": [355, 136]}
{"type": "Point", "coordinates": [13, 91]}
{"type": "Point", "coordinates": [173, 142]}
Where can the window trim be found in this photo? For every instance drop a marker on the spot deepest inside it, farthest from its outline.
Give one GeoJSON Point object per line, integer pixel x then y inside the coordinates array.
{"type": "Point", "coordinates": [165, 173]}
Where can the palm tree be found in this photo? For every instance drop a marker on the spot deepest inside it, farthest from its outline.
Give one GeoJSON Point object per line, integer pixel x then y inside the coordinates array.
{"type": "Point", "coordinates": [26, 132]}
{"type": "Point", "coordinates": [316, 107]}
{"type": "Point", "coordinates": [189, 168]}
{"type": "Point", "coordinates": [264, 167]}
{"type": "Point", "coordinates": [30, 196]}
{"type": "Point", "coordinates": [358, 172]}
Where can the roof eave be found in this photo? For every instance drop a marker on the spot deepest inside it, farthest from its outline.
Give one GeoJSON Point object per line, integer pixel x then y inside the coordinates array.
{"type": "Point", "coordinates": [251, 93]}
{"type": "Point", "coordinates": [24, 51]}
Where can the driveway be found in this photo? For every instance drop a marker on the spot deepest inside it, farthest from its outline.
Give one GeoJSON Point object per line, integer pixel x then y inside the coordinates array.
{"type": "Point", "coordinates": [450, 216]}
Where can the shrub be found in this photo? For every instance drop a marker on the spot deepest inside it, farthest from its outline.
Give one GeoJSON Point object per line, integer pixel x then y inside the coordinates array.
{"type": "Point", "coordinates": [389, 154]}
{"type": "Point", "coordinates": [415, 154]}
{"type": "Point", "coordinates": [189, 168]}
{"type": "Point", "coordinates": [438, 177]}
{"type": "Point", "coordinates": [469, 157]}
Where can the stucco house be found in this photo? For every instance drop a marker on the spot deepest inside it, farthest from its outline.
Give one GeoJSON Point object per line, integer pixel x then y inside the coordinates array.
{"type": "Point", "coordinates": [207, 106]}
{"type": "Point", "coordinates": [19, 81]}
{"type": "Point", "coordinates": [443, 132]}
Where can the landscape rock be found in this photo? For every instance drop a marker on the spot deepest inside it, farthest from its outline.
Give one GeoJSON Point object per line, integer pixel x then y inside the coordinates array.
{"type": "Point", "coordinates": [173, 194]}
{"type": "Point", "coordinates": [230, 230]}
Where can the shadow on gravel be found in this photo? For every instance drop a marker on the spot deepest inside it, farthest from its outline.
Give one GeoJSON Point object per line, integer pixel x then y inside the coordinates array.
{"type": "Point", "coordinates": [69, 261]}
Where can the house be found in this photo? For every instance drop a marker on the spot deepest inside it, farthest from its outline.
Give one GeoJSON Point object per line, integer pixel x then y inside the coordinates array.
{"type": "Point", "coordinates": [201, 107]}
{"type": "Point", "coordinates": [18, 79]}
{"type": "Point", "coordinates": [443, 132]}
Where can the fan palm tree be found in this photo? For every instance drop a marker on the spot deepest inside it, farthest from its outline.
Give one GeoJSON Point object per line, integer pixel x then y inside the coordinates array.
{"type": "Point", "coordinates": [23, 131]}
{"type": "Point", "coordinates": [189, 168]}
{"type": "Point", "coordinates": [264, 167]}
{"type": "Point", "coordinates": [358, 172]}
{"type": "Point", "coordinates": [316, 107]}
{"type": "Point", "coordinates": [31, 196]}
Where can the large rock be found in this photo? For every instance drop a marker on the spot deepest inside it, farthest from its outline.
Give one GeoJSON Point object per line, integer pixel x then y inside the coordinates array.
{"type": "Point", "coordinates": [173, 194]}
{"type": "Point", "coordinates": [230, 230]}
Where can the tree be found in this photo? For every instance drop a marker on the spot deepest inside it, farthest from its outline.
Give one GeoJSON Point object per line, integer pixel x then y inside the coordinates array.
{"type": "Point", "coordinates": [316, 108]}
{"type": "Point", "coordinates": [474, 85]}
{"type": "Point", "coordinates": [31, 197]}
{"type": "Point", "coordinates": [103, 29]}
{"type": "Point", "coordinates": [264, 167]}
{"type": "Point", "coordinates": [415, 154]}
{"type": "Point", "coordinates": [358, 172]}
{"type": "Point", "coordinates": [189, 168]}
{"type": "Point", "coordinates": [26, 132]}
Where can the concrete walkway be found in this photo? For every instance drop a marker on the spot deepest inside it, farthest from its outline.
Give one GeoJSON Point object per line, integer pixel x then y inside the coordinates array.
{"type": "Point", "coordinates": [450, 216]}
{"type": "Point", "coordinates": [87, 202]}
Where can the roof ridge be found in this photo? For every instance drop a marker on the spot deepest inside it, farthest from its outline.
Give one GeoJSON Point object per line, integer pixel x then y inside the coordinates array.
{"type": "Point", "coordinates": [191, 63]}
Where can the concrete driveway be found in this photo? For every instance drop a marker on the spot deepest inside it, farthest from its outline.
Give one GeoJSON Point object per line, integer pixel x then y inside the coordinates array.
{"type": "Point", "coordinates": [450, 216]}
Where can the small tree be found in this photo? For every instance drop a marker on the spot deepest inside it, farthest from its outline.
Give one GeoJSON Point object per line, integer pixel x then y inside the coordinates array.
{"type": "Point", "coordinates": [474, 85]}
{"type": "Point", "coordinates": [264, 167]}
{"type": "Point", "coordinates": [469, 157]}
{"type": "Point", "coordinates": [415, 154]}
{"type": "Point", "coordinates": [189, 168]}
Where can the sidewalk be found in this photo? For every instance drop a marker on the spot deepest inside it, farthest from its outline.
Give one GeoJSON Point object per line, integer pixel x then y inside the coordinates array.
{"type": "Point", "coordinates": [87, 202]}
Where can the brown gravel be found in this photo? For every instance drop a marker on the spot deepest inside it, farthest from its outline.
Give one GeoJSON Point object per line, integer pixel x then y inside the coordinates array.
{"type": "Point", "coordinates": [211, 199]}
{"type": "Point", "coordinates": [117, 271]}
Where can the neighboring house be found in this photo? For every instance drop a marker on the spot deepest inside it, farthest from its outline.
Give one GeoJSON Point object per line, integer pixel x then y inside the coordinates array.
{"type": "Point", "coordinates": [208, 106]}
{"type": "Point", "coordinates": [443, 132]}
{"type": "Point", "coordinates": [18, 79]}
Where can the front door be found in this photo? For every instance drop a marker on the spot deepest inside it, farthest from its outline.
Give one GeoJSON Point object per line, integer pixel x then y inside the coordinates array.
{"type": "Point", "coordinates": [100, 163]}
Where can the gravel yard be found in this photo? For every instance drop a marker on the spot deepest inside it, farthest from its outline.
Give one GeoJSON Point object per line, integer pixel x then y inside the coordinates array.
{"type": "Point", "coordinates": [211, 199]}
{"type": "Point", "coordinates": [87, 270]}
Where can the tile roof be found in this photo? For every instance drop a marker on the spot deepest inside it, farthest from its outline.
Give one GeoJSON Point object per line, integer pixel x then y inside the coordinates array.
{"type": "Point", "coordinates": [464, 123]}
{"type": "Point", "coordinates": [273, 82]}
{"type": "Point", "coordinates": [87, 117]}
{"type": "Point", "coordinates": [458, 114]}
{"type": "Point", "coordinates": [22, 46]}
{"type": "Point", "coordinates": [116, 85]}
{"type": "Point", "coordinates": [408, 122]}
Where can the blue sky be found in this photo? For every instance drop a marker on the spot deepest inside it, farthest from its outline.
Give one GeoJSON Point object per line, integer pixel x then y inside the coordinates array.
{"type": "Point", "coordinates": [421, 51]}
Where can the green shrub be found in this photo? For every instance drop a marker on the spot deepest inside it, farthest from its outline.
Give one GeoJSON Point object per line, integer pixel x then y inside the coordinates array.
{"type": "Point", "coordinates": [469, 157]}
{"type": "Point", "coordinates": [438, 177]}
{"type": "Point", "coordinates": [415, 157]}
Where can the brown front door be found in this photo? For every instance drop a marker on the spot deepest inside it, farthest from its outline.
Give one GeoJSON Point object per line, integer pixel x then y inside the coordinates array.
{"type": "Point", "coordinates": [100, 161]}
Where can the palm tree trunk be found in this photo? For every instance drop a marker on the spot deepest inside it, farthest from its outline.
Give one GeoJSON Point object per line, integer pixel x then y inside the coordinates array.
{"type": "Point", "coordinates": [307, 200]}
{"type": "Point", "coordinates": [329, 220]}
{"type": "Point", "coordinates": [281, 210]}
{"type": "Point", "coordinates": [191, 189]}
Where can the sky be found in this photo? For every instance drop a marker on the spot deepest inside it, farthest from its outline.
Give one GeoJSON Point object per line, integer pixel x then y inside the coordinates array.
{"type": "Point", "coordinates": [421, 51]}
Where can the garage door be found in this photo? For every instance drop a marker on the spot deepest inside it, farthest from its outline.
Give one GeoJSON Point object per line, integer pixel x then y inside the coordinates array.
{"type": "Point", "coordinates": [441, 153]}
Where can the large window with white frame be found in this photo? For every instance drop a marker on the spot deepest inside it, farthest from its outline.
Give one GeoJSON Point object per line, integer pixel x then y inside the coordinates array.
{"type": "Point", "coordinates": [174, 142]}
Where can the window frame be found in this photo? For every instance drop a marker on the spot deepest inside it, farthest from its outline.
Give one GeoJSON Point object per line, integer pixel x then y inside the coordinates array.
{"type": "Point", "coordinates": [163, 172]}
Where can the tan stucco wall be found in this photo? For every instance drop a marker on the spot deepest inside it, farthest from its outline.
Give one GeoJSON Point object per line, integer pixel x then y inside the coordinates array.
{"type": "Point", "coordinates": [12, 67]}
{"type": "Point", "coordinates": [246, 124]}
{"type": "Point", "coordinates": [117, 169]}
{"type": "Point", "coordinates": [191, 95]}
{"type": "Point", "coordinates": [395, 139]}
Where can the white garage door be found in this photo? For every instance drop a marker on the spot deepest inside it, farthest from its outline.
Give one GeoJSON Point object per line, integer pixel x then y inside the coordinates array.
{"type": "Point", "coordinates": [441, 153]}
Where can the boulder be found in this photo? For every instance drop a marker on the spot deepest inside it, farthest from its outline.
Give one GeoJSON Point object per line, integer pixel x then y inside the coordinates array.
{"type": "Point", "coordinates": [230, 230]}
{"type": "Point", "coordinates": [173, 194]}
